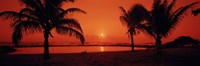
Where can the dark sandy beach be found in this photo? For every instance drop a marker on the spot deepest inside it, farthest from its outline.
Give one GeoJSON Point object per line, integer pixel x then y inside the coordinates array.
{"type": "Point", "coordinates": [172, 57]}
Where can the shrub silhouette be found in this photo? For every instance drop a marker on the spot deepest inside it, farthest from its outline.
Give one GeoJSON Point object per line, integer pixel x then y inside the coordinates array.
{"type": "Point", "coordinates": [181, 41]}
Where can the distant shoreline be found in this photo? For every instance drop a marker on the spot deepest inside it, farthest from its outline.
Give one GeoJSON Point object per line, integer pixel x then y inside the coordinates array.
{"type": "Point", "coordinates": [143, 46]}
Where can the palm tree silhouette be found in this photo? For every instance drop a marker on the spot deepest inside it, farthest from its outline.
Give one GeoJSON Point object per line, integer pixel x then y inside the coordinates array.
{"type": "Point", "coordinates": [163, 19]}
{"type": "Point", "coordinates": [134, 20]}
{"type": "Point", "coordinates": [43, 16]}
{"type": "Point", "coordinates": [196, 12]}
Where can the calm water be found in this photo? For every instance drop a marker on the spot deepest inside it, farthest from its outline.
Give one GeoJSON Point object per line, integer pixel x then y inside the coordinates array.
{"type": "Point", "coordinates": [72, 49]}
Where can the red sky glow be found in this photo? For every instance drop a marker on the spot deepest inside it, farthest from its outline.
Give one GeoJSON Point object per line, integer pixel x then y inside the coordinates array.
{"type": "Point", "coordinates": [103, 18]}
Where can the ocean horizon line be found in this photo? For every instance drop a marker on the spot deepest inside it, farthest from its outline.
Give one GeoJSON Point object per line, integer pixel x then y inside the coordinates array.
{"type": "Point", "coordinates": [71, 44]}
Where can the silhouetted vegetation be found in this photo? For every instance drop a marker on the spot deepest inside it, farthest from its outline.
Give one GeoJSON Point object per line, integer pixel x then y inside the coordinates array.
{"type": "Point", "coordinates": [6, 49]}
{"type": "Point", "coordinates": [182, 41]}
{"type": "Point", "coordinates": [163, 19]}
{"type": "Point", "coordinates": [196, 12]}
{"type": "Point", "coordinates": [44, 16]}
{"type": "Point", "coordinates": [133, 19]}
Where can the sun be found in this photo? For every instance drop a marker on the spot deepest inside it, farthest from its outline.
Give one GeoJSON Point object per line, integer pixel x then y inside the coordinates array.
{"type": "Point", "coordinates": [102, 34]}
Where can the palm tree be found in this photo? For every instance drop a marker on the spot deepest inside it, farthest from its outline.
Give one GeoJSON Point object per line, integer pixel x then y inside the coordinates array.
{"type": "Point", "coordinates": [43, 16]}
{"type": "Point", "coordinates": [164, 19]}
{"type": "Point", "coordinates": [196, 12]}
{"type": "Point", "coordinates": [134, 20]}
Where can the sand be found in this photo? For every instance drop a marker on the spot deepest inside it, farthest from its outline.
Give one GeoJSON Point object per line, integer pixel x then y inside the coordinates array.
{"type": "Point", "coordinates": [172, 57]}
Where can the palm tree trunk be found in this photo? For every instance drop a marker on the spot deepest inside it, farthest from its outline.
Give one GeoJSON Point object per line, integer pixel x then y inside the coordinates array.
{"type": "Point", "coordinates": [132, 43]}
{"type": "Point", "coordinates": [158, 45]}
{"type": "Point", "coordinates": [46, 45]}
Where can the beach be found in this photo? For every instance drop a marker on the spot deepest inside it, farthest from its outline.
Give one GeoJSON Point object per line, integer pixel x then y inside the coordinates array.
{"type": "Point", "coordinates": [171, 57]}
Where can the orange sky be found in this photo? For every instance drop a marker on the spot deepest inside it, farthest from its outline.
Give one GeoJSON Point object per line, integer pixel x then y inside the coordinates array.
{"type": "Point", "coordinates": [102, 17]}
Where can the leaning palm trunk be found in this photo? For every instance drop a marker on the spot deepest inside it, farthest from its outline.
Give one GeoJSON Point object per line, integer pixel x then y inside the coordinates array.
{"type": "Point", "coordinates": [132, 42]}
{"type": "Point", "coordinates": [46, 45]}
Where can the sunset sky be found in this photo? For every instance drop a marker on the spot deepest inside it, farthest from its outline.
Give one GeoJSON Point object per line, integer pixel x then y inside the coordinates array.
{"type": "Point", "coordinates": [101, 23]}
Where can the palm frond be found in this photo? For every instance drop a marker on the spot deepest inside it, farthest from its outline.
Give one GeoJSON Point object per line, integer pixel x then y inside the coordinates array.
{"type": "Point", "coordinates": [27, 11]}
{"type": "Point", "coordinates": [165, 3]}
{"type": "Point", "coordinates": [35, 5]}
{"type": "Point", "coordinates": [123, 11]}
{"type": "Point", "coordinates": [70, 23]}
{"type": "Point", "coordinates": [156, 3]}
{"type": "Point", "coordinates": [124, 18]}
{"type": "Point", "coordinates": [27, 26]}
{"type": "Point", "coordinates": [138, 13]}
{"type": "Point", "coordinates": [15, 16]}
{"type": "Point", "coordinates": [70, 10]}
{"type": "Point", "coordinates": [74, 10]}
{"type": "Point", "coordinates": [40, 3]}
{"type": "Point", "coordinates": [58, 3]}
{"type": "Point", "coordinates": [145, 28]}
{"type": "Point", "coordinates": [23, 26]}
{"type": "Point", "coordinates": [61, 9]}
{"type": "Point", "coordinates": [32, 12]}
{"type": "Point", "coordinates": [169, 9]}
{"type": "Point", "coordinates": [29, 3]}
{"type": "Point", "coordinates": [180, 12]}
{"type": "Point", "coordinates": [71, 32]}
{"type": "Point", "coordinates": [196, 12]}
{"type": "Point", "coordinates": [69, 0]}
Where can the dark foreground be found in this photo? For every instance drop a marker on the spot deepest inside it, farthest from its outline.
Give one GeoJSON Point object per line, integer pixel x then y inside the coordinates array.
{"type": "Point", "coordinates": [172, 57]}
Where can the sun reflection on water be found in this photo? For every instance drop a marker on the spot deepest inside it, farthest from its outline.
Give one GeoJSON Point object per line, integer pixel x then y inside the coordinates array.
{"type": "Point", "coordinates": [101, 49]}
